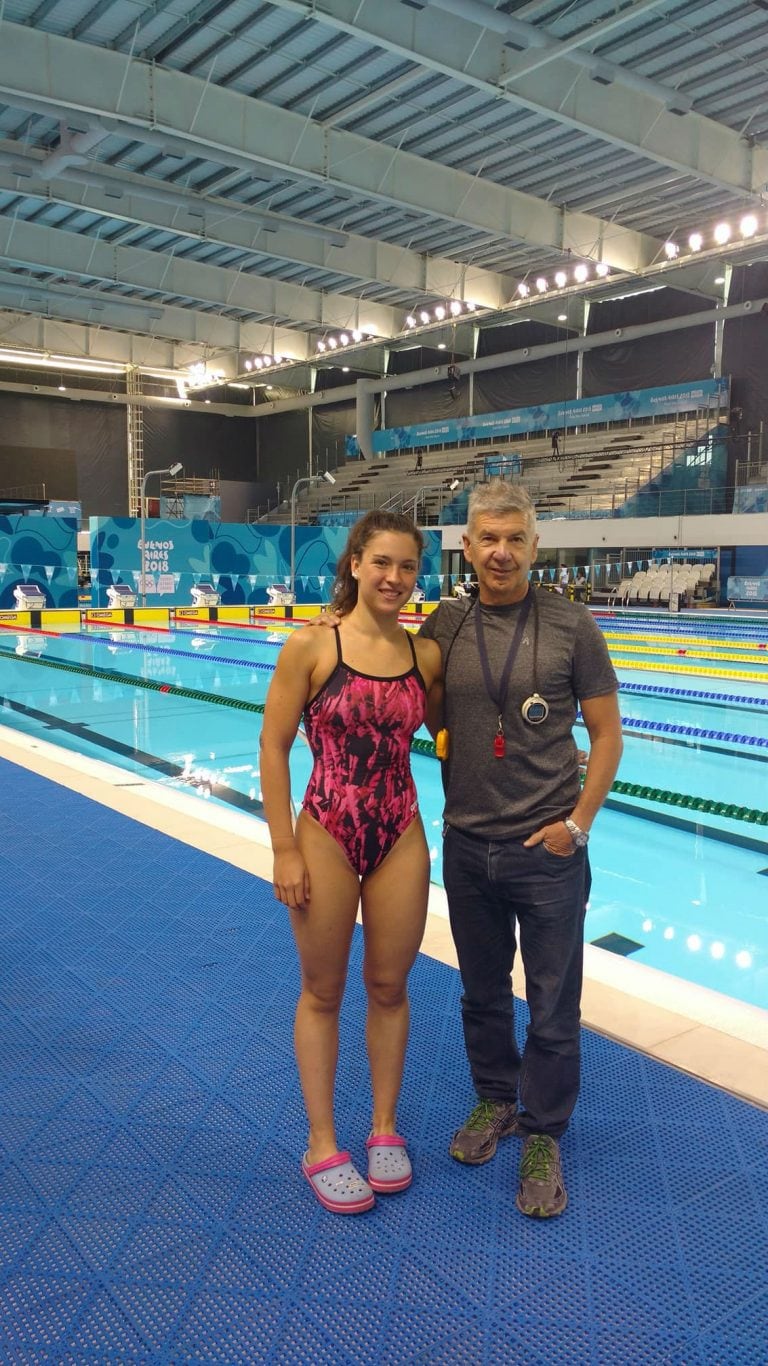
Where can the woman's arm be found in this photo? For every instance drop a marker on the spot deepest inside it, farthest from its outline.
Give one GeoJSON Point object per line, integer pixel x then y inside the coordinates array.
{"type": "Point", "coordinates": [431, 669]}
{"type": "Point", "coordinates": [286, 699]}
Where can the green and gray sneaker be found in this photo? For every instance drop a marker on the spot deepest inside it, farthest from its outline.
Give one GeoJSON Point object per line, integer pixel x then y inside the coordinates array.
{"type": "Point", "coordinates": [489, 1121]}
{"type": "Point", "coordinates": [541, 1193]}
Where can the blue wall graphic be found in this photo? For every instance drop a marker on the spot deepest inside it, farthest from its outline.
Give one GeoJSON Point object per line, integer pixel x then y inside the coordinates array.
{"type": "Point", "coordinates": [241, 561]}
{"type": "Point", "coordinates": [41, 550]}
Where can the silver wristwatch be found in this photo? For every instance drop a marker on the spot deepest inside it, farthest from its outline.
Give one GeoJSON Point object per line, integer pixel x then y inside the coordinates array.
{"type": "Point", "coordinates": [579, 836]}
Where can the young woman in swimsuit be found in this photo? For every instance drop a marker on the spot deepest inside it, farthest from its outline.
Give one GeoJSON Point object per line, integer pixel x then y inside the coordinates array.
{"type": "Point", "coordinates": [361, 688]}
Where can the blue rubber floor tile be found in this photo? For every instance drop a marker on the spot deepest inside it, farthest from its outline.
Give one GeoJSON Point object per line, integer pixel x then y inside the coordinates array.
{"type": "Point", "coordinates": [152, 1209]}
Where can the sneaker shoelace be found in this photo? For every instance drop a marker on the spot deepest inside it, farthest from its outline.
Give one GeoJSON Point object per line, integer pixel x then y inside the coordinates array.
{"type": "Point", "coordinates": [537, 1161]}
{"type": "Point", "coordinates": [482, 1116]}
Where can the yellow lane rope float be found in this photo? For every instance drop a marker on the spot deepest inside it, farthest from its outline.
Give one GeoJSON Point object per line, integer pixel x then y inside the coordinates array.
{"type": "Point", "coordinates": [688, 669]}
{"type": "Point", "coordinates": [696, 654]}
{"type": "Point", "coordinates": [686, 640]}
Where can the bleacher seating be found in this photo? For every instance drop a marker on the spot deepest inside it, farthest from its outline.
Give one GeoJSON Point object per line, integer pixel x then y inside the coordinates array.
{"type": "Point", "coordinates": [597, 474]}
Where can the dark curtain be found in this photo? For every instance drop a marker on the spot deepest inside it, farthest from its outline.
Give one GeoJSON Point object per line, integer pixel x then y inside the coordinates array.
{"type": "Point", "coordinates": [666, 358]}
{"type": "Point", "coordinates": [283, 448]}
{"type": "Point", "coordinates": [745, 349]}
{"type": "Point", "coordinates": [651, 306]}
{"type": "Point", "coordinates": [550, 380]}
{"type": "Point", "coordinates": [332, 423]}
{"type": "Point", "coordinates": [203, 442]}
{"type": "Point", "coordinates": [78, 450]}
{"type": "Point", "coordinates": [427, 402]}
{"type": "Point", "coordinates": [521, 386]}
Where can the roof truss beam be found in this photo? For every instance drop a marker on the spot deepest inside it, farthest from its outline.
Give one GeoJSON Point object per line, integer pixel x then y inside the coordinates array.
{"type": "Point", "coordinates": [627, 110]}
{"type": "Point", "coordinates": [120, 196]}
{"type": "Point", "coordinates": [58, 74]}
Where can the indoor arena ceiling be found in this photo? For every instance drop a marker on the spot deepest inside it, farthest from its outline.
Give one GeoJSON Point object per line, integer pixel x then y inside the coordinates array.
{"type": "Point", "coordinates": [223, 183]}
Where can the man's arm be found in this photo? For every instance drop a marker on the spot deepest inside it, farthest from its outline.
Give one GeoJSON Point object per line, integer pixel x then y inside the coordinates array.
{"type": "Point", "coordinates": [603, 722]}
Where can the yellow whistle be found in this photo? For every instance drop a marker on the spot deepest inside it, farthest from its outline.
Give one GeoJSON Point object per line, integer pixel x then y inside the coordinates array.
{"type": "Point", "coordinates": [442, 743]}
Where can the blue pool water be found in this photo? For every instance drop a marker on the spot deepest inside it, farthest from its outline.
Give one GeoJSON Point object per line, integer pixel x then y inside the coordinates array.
{"type": "Point", "coordinates": [673, 896]}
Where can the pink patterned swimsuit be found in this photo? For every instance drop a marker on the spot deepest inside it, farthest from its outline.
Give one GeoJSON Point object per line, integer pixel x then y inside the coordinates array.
{"type": "Point", "coordinates": [359, 729]}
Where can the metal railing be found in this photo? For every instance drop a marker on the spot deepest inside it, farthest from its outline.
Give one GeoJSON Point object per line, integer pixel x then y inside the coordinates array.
{"type": "Point", "coordinates": [34, 492]}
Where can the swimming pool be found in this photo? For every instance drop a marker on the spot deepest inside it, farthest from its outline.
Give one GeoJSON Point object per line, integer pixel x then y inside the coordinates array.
{"type": "Point", "coordinates": [680, 856]}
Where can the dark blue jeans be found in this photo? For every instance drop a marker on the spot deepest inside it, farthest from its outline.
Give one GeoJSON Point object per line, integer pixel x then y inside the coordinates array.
{"type": "Point", "coordinates": [493, 887]}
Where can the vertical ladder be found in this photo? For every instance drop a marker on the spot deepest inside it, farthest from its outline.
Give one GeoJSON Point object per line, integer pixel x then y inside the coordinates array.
{"type": "Point", "coordinates": [135, 421]}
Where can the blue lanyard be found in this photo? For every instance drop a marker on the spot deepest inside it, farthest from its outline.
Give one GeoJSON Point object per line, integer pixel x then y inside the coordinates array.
{"type": "Point", "coordinates": [500, 699]}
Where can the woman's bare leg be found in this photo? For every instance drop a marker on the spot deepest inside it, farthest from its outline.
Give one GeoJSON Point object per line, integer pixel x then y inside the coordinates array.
{"type": "Point", "coordinates": [394, 905]}
{"type": "Point", "coordinates": [323, 934]}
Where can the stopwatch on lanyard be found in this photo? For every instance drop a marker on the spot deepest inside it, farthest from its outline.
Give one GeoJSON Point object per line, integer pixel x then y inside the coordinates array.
{"type": "Point", "coordinates": [534, 709]}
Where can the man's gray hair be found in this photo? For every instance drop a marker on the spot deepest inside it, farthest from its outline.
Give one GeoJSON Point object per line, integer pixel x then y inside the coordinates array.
{"type": "Point", "coordinates": [499, 497]}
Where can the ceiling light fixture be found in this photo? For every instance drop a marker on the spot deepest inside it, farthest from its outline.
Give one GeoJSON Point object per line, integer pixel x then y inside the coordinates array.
{"type": "Point", "coordinates": [561, 279]}
{"type": "Point", "coordinates": [748, 225]}
{"type": "Point", "coordinates": [722, 233]}
{"type": "Point", "coordinates": [695, 241]}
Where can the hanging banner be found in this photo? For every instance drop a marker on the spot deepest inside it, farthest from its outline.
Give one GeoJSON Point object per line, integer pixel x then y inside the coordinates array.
{"type": "Point", "coordinates": [579, 412]}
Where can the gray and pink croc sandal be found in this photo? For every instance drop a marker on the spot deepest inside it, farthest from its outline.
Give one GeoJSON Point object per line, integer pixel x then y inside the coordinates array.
{"type": "Point", "coordinates": [338, 1184]}
{"type": "Point", "coordinates": [389, 1167]}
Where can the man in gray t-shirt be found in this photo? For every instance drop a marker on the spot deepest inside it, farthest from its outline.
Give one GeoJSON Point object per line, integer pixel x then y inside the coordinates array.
{"type": "Point", "coordinates": [518, 662]}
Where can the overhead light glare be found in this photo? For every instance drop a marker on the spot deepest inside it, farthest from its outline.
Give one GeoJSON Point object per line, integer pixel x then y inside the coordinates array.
{"type": "Point", "coordinates": [425, 318]}
{"type": "Point", "coordinates": [344, 339]}
{"type": "Point", "coordinates": [722, 233]}
{"type": "Point", "coordinates": [602, 269]}
{"type": "Point", "coordinates": [410, 321]}
{"type": "Point", "coordinates": [562, 317]}
{"type": "Point", "coordinates": [671, 250]}
{"type": "Point", "coordinates": [523, 289]}
{"type": "Point", "coordinates": [695, 241]}
{"type": "Point", "coordinates": [748, 225]}
{"type": "Point", "coordinates": [441, 346]}
{"type": "Point", "coordinates": [58, 363]}
{"type": "Point", "coordinates": [321, 346]}
{"type": "Point", "coordinates": [561, 279]}
{"type": "Point", "coordinates": [357, 335]}
{"type": "Point", "coordinates": [542, 285]}
{"type": "Point", "coordinates": [455, 308]}
{"type": "Point", "coordinates": [332, 342]}
{"type": "Point", "coordinates": [581, 273]}
{"type": "Point", "coordinates": [439, 313]}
